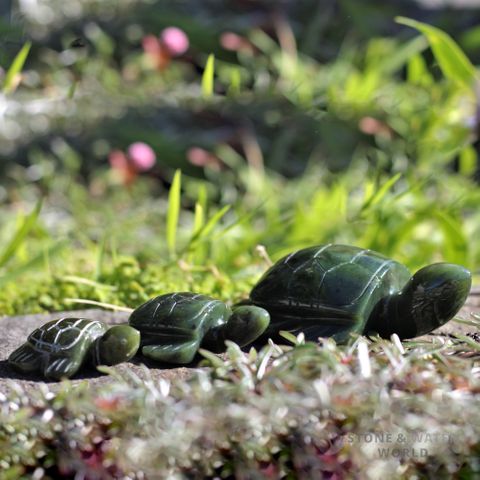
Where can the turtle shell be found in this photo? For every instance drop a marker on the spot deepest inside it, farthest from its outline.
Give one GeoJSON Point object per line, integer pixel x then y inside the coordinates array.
{"type": "Point", "coordinates": [66, 334]}
{"type": "Point", "coordinates": [327, 290]}
{"type": "Point", "coordinates": [179, 314]}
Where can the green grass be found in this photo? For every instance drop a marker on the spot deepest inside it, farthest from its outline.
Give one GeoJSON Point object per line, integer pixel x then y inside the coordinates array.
{"type": "Point", "coordinates": [11, 77]}
{"type": "Point", "coordinates": [454, 63]}
{"type": "Point", "coordinates": [173, 212]}
{"type": "Point", "coordinates": [213, 248]}
{"type": "Point", "coordinates": [283, 412]}
{"type": "Point", "coordinates": [208, 77]}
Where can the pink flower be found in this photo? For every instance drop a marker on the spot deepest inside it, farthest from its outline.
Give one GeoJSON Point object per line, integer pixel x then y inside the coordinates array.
{"type": "Point", "coordinates": [151, 44]}
{"type": "Point", "coordinates": [157, 54]}
{"type": "Point", "coordinates": [175, 41]}
{"type": "Point", "coordinates": [142, 156]}
{"type": "Point", "coordinates": [117, 159]}
{"type": "Point", "coordinates": [234, 42]}
{"type": "Point", "coordinates": [203, 158]}
{"type": "Point", "coordinates": [122, 170]}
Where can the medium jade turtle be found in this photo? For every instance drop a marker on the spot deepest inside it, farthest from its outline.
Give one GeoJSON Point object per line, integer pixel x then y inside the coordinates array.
{"type": "Point", "coordinates": [60, 347]}
{"type": "Point", "coordinates": [175, 325]}
{"type": "Point", "coordinates": [334, 290]}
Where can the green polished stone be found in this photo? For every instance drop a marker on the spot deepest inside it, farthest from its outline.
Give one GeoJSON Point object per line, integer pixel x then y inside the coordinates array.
{"type": "Point", "coordinates": [59, 348]}
{"type": "Point", "coordinates": [334, 290]}
{"type": "Point", "coordinates": [175, 325]}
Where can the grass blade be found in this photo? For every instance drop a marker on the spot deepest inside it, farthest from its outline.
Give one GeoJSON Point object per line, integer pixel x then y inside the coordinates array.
{"type": "Point", "coordinates": [19, 236]}
{"type": "Point", "coordinates": [173, 211]}
{"type": "Point", "coordinates": [33, 263]}
{"type": "Point", "coordinates": [199, 220]}
{"type": "Point", "coordinates": [378, 195]}
{"type": "Point", "coordinates": [9, 85]}
{"type": "Point", "coordinates": [395, 62]}
{"type": "Point", "coordinates": [456, 244]}
{"type": "Point", "coordinates": [417, 71]}
{"type": "Point", "coordinates": [289, 336]}
{"type": "Point", "coordinates": [454, 64]}
{"type": "Point", "coordinates": [213, 359]}
{"type": "Point", "coordinates": [468, 160]}
{"type": "Point", "coordinates": [72, 89]}
{"type": "Point", "coordinates": [207, 77]}
{"type": "Point", "coordinates": [100, 257]}
{"type": "Point", "coordinates": [242, 219]}
{"type": "Point", "coordinates": [108, 306]}
{"type": "Point", "coordinates": [209, 226]}
{"type": "Point", "coordinates": [469, 341]}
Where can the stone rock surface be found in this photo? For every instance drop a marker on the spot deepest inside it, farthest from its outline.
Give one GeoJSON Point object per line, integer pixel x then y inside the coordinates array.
{"type": "Point", "coordinates": [14, 331]}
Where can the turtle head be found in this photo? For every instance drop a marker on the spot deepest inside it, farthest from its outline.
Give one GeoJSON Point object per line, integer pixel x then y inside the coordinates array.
{"type": "Point", "coordinates": [430, 298]}
{"type": "Point", "coordinates": [246, 324]}
{"type": "Point", "coordinates": [119, 344]}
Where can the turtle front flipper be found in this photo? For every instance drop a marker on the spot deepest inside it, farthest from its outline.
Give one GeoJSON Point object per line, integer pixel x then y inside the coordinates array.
{"type": "Point", "coordinates": [25, 359]}
{"type": "Point", "coordinates": [432, 297]}
{"type": "Point", "coordinates": [171, 350]}
{"type": "Point", "coordinates": [59, 366]}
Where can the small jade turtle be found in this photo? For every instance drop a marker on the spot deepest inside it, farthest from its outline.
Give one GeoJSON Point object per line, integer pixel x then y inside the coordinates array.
{"type": "Point", "coordinates": [175, 325]}
{"type": "Point", "coordinates": [60, 347]}
{"type": "Point", "coordinates": [334, 290]}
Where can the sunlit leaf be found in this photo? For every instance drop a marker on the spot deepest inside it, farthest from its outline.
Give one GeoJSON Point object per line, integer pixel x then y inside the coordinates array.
{"type": "Point", "coordinates": [207, 77]}
{"type": "Point", "coordinates": [213, 359]}
{"type": "Point", "coordinates": [377, 196]}
{"type": "Point", "coordinates": [289, 336]}
{"type": "Point", "coordinates": [10, 84]}
{"type": "Point", "coordinates": [210, 224]}
{"type": "Point", "coordinates": [199, 218]}
{"type": "Point", "coordinates": [455, 239]}
{"type": "Point", "coordinates": [417, 71]}
{"type": "Point", "coordinates": [454, 64]}
{"type": "Point", "coordinates": [402, 55]}
{"type": "Point", "coordinates": [20, 234]}
{"type": "Point", "coordinates": [33, 263]}
{"type": "Point", "coordinates": [173, 211]}
{"type": "Point", "coordinates": [468, 160]}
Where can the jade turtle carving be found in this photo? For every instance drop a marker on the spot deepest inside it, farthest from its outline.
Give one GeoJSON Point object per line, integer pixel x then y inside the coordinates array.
{"type": "Point", "coordinates": [60, 347]}
{"type": "Point", "coordinates": [334, 290]}
{"type": "Point", "coordinates": [175, 325]}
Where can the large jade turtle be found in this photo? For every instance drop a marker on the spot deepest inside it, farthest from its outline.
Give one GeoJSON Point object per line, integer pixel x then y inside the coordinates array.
{"type": "Point", "coordinates": [175, 325]}
{"type": "Point", "coordinates": [60, 347]}
{"type": "Point", "coordinates": [335, 290]}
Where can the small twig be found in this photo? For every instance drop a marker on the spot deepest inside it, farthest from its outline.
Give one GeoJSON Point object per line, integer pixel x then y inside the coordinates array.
{"type": "Point", "coordinates": [262, 252]}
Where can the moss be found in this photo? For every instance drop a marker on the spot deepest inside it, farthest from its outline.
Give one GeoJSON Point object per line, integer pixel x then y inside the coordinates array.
{"type": "Point", "coordinates": [289, 412]}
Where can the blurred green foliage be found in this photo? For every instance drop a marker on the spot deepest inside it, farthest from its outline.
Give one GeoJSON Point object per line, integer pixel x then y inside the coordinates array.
{"type": "Point", "coordinates": [291, 124]}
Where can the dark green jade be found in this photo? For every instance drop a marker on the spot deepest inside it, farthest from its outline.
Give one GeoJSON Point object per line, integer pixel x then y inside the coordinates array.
{"type": "Point", "coordinates": [175, 325]}
{"type": "Point", "coordinates": [334, 290]}
{"type": "Point", "coordinates": [58, 349]}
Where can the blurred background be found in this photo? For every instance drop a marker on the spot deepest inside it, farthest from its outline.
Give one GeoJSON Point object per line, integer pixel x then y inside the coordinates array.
{"type": "Point", "coordinates": [289, 123]}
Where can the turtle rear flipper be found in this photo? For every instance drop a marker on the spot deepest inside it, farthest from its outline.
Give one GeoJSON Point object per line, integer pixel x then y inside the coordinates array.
{"type": "Point", "coordinates": [173, 351]}
{"type": "Point", "coordinates": [58, 367]}
{"type": "Point", "coordinates": [25, 359]}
